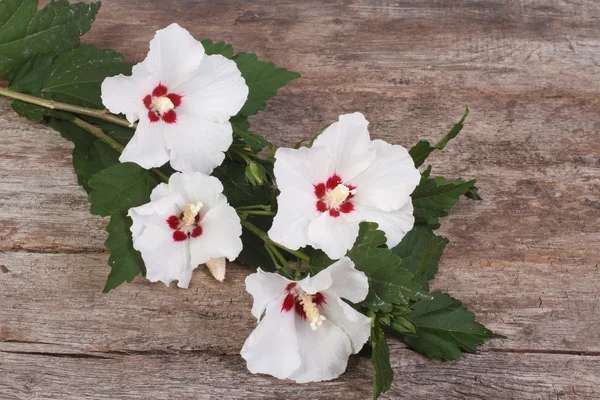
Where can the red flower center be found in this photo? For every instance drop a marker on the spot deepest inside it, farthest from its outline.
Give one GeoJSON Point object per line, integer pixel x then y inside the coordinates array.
{"type": "Point", "coordinates": [181, 230]}
{"type": "Point", "coordinates": [334, 197]}
{"type": "Point", "coordinates": [161, 105]}
{"type": "Point", "coordinates": [292, 300]}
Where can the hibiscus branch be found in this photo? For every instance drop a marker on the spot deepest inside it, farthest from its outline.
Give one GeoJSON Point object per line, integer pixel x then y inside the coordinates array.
{"type": "Point", "coordinates": [263, 235]}
{"type": "Point", "coordinates": [54, 105]}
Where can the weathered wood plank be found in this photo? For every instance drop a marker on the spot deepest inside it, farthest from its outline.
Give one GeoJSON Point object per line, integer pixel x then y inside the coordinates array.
{"type": "Point", "coordinates": [206, 375]}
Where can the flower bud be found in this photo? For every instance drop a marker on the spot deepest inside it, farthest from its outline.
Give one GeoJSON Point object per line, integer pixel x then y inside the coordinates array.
{"type": "Point", "coordinates": [256, 174]}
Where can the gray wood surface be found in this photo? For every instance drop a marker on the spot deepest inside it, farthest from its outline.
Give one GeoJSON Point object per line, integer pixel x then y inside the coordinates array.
{"type": "Point", "coordinates": [525, 259]}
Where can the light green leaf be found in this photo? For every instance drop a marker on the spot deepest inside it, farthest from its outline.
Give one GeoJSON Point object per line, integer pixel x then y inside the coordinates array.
{"type": "Point", "coordinates": [444, 328]}
{"type": "Point", "coordinates": [383, 375]}
{"type": "Point", "coordinates": [423, 149]}
{"type": "Point", "coordinates": [119, 188]}
{"type": "Point", "coordinates": [125, 262]}
{"type": "Point", "coordinates": [435, 197]}
{"type": "Point", "coordinates": [25, 32]}
{"type": "Point", "coordinates": [75, 76]}
{"type": "Point", "coordinates": [263, 80]}
{"type": "Point", "coordinates": [388, 283]}
{"type": "Point", "coordinates": [420, 251]}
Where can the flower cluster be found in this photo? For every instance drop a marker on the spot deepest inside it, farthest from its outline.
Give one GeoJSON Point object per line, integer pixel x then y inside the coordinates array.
{"type": "Point", "coordinates": [182, 100]}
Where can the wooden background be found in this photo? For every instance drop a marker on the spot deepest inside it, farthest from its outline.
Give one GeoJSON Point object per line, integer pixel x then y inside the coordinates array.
{"type": "Point", "coordinates": [525, 259]}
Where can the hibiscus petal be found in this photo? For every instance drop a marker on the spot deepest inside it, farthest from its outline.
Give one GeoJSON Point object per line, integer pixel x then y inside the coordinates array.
{"type": "Point", "coordinates": [335, 236]}
{"type": "Point", "coordinates": [174, 56]}
{"type": "Point", "coordinates": [166, 260]}
{"type": "Point", "coordinates": [264, 287]}
{"type": "Point", "coordinates": [146, 148]}
{"type": "Point", "coordinates": [221, 231]}
{"type": "Point", "coordinates": [324, 352]}
{"type": "Point", "coordinates": [396, 224]}
{"type": "Point", "coordinates": [196, 144]}
{"type": "Point", "coordinates": [295, 211]}
{"type": "Point", "coordinates": [301, 169]}
{"type": "Point", "coordinates": [390, 179]}
{"type": "Point", "coordinates": [347, 281]}
{"type": "Point", "coordinates": [272, 347]}
{"type": "Point", "coordinates": [354, 324]}
{"type": "Point", "coordinates": [349, 143]}
{"type": "Point", "coordinates": [197, 187]}
{"type": "Point", "coordinates": [124, 94]}
{"type": "Point", "coordinates": [156, 211]}
{"type": "Point", "coordinates": [216, 91]}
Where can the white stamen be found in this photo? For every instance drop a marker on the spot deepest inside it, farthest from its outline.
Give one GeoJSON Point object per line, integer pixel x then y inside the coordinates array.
{"type": "Point", "coordinates": [338, 195]}
{"type": "Point", "coordinates": [311, 310]}
{"type": "Point", "coordinates": [163, 105]}
{"type": "Point", "coordinates": [190, 213]}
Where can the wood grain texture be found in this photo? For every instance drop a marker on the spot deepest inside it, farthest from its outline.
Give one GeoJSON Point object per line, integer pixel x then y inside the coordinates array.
{"type": "Point", "coordinates": [525, 259]}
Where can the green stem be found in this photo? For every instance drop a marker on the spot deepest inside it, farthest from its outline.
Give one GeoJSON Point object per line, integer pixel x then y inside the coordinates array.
{"type": "Point", "coordinates": [112, 143]}
{"type": "Point", "coordinates": [54, 105]}
{"type": "Point", "coordinates": [263, 235]}
{"type": "Point", "coordinates": [254, 207]}
{"type": "Point", "coordinates": [250, 212]}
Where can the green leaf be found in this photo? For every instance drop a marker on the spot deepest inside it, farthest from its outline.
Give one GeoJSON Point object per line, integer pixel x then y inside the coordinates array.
{"type": "Point", "coordinates": [89, 154]}
{"type": "Point", "coordinates": [121, 134]}
{"type": "Point", "coordinates": [423, 149]}
{"type": "Point", "coordinates": [420, 251]}
{"type": "Point", "coordinates": [125, 262]}
{"type": "Point", "coordinates": [388, 283]}
{"type": "Point", "coordinates": [30, 73]}
{"type": "Point", "coordinates": [119, 188]}
{"type": "Point", "coordinates": [253, 253]}
{"type": "Point", "coordinates": [25, 32]}
{"type": "Point", "coordinates": [254, 141]}
{"type": "Point", "coordinates": [235, 187]}
{"type": "Point", "coordinates": [435, 197]}
{"type": "Point", "coordinates": [383, 375]}
{"type": "Point", "coordinates": [444, 328]}
{"type": "Point", "coordinates": [221, 48]}
{"type": "Point", "coordinates": [75, 76]}
{"type": "Point", "coordinates": [263, 80]}
{"type": "Point", "coordinates": [37, 113]}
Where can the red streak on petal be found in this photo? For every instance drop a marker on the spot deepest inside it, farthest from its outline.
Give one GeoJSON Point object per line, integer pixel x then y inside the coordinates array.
{"type": "Point", "coordinates": [197, 231]}
{"type": "Point", "coordinates": [170, 117]}
{"type": "Point", "coordinates": [175, 99]}
{"type": "Point", "coordinates": [179, 236]}
{"type": "Point", "coordinates": [160, 91]}
{"type": "Point", "coordinates": [148, 101]}
{"type": "Point", "coordinates": [290, 286]}
{"type": "Point", "coordinates": [319, 299]}
{"type": "Point", "coordinates": [173, 222]}
{"type": "Point", "coordinates": [351, 195]}
{"type": "Point", "coordinates": [300, 310]}
{"type": "Point", "coordinates": [288, 303]}
{"type": "Point", "coordinates": [320, 190]}
{"type": "Point", "coordinates": [197, 218]}
{"type": "Point", "coordinates": [153, 116]}
{"type": "Point", "coordinates": [333, 181]}
{"type": "Point", "coordinates": [334, 213]}
{"type": "Point", "coordinates": [347, 207]}
{"type": "Point", "coordinates": [321, 206]}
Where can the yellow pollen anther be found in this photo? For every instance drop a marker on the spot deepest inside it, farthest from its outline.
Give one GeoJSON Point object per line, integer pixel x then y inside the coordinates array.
{"type": "Point", "coordinates": [163, 105]}
{"type": "Point", "coordinates": [310, 309]}
{"type": "Point", "coordinates": [190, 213]}
{"type": "Point", "coordinates": [338, 195]}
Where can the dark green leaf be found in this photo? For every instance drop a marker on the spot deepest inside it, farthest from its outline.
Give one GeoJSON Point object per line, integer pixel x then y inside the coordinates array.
{"type": "Point", "coordinates": [318, 260]}
{"type": "Point", "coordinates": [221, 48]}
{"type": "Point", "coordinates": [125, 262]}
{"type": "Point", "coordinates": [263, 80]}
{"type": "Point", "coordinates": [25, 32]}
{"type": "Point", "coordinates": [121, 134]}
{"type": "Point", "coordinates": [388, 283]}
{"type": "Point", "coordinates": [30, 73]}
{"type": "Point", "coordinates": [435, 197]}
{"type": "Point", "coordinates": [444, 327]}
{"type": "Point", "coordinates": [420, 251]}
{"type": "Point", "coordinates": [120, 187]}
{"type": "Point", "coordinates": [254, 253]}
{"type": "Point", "coordinates": [383, 375]}
{"type": "Point", "coordinates": [423, 149]}
{"type": "Point", "coordinates": [254, 141]}
{"type": "Point", "coordinates": [75, 76]}
{"type": "Point", "coordinates": [237, 190]}
{"type": "Point", "coordinates": [37, 113]}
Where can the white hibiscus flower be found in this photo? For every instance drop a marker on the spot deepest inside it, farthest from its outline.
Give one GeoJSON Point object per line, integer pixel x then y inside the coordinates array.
{"type": "Point", "coordinates": [183, 99]}
{"type": "Point", "coordinates": [187, 222]}
{"type": "Point", "coordinates": [343, 179]}
{"type": "Point", "coordinates": [308, 331]}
